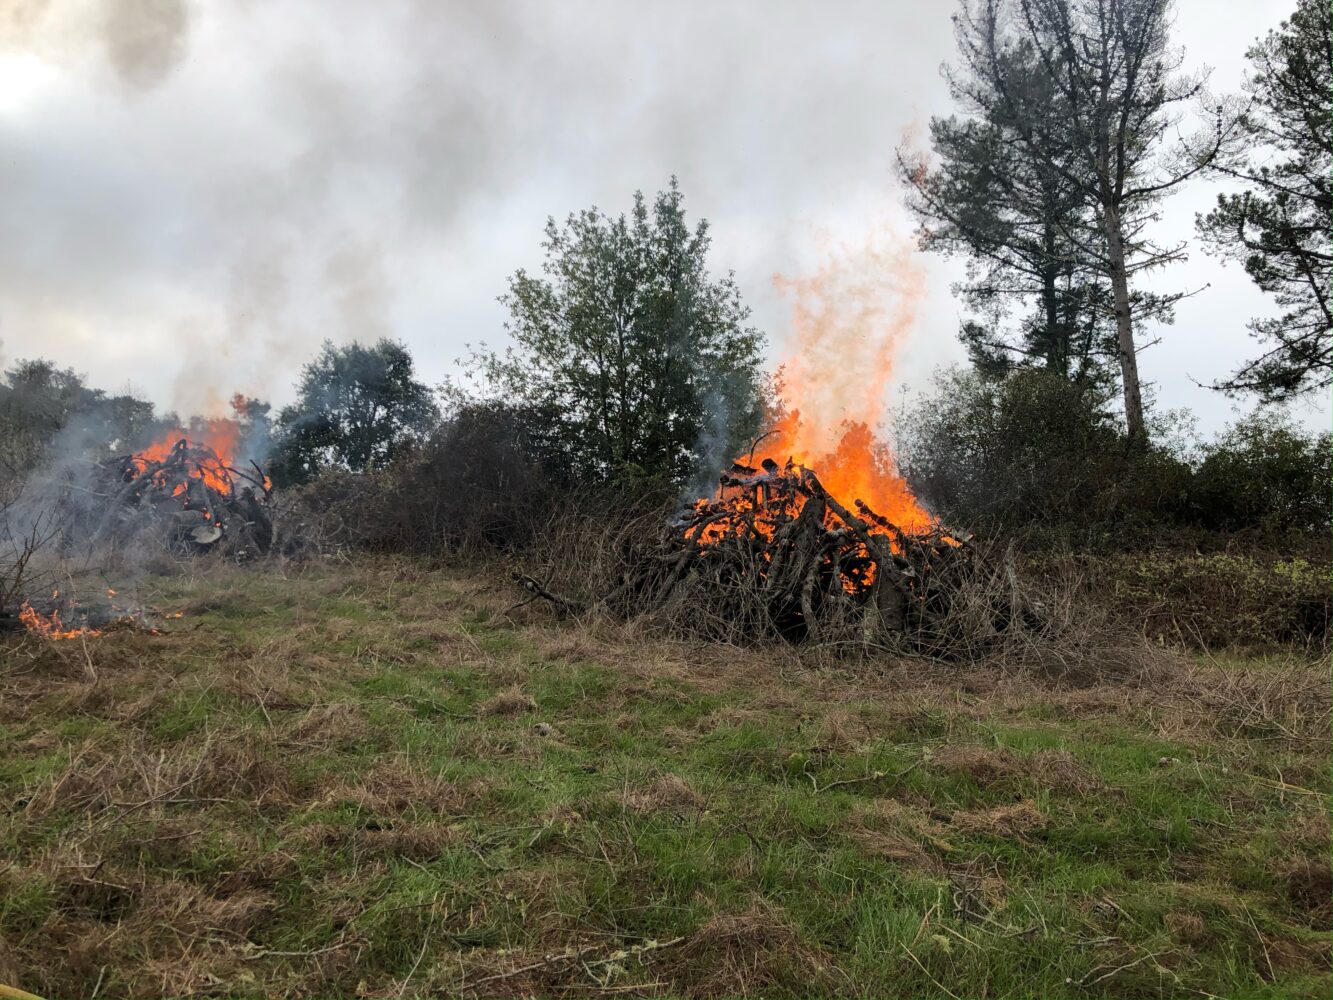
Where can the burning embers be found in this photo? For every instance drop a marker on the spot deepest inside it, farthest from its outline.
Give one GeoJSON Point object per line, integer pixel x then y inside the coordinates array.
{"type": "Point", "coordinates": [50, 626]}
{"type": "Point", "coordinates": [62, 617]}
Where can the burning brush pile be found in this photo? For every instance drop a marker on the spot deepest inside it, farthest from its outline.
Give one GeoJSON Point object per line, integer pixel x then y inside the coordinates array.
{"type": "Point", "coordinates": [777, 553]}
{"type": "Point", "coordinates": [185, 494]}
{"type": "Point", "coordinates": [191, 492]}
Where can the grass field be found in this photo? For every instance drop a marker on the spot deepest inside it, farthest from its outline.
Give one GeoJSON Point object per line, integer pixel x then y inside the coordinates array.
{"type": "Point", "coordinates": [368, 780]}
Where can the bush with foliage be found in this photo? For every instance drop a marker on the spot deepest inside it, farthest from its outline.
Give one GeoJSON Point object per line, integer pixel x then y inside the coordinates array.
{"type": "Point", "coordinates": [1263, 473]}
{"type": "Point", "coordinates": [1033, 450]}
{"type": "Point", "coordinates": [1216, 600]}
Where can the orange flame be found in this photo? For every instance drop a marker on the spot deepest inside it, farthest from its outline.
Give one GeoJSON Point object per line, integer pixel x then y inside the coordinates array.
{"type": "Point", "coordinates": [217, 443]}
{"type": "Point", "coordinates": [848, 320]}
{"type": "Point", "coordinates": [50, 626]}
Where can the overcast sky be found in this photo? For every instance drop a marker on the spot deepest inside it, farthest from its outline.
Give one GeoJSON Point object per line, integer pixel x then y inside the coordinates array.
{"type": "Point", "coordinates": [195, 194]}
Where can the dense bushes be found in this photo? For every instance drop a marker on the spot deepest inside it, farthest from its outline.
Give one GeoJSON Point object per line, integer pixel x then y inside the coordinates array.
{"type": "Point", "coordinates": [1209, 600]}
{"type": "Point", "coordinates": [484, 480]}
{"type": "Point", "coordinates": [1039, 453]}
{"type": "Point", "coordinates": [1263, 474]}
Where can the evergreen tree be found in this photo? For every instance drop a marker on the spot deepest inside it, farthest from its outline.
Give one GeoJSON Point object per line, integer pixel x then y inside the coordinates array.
{"type": "Point", "coordinates": [1278, 227]}
{"type": "Point", "coordinates": [1109, 94]}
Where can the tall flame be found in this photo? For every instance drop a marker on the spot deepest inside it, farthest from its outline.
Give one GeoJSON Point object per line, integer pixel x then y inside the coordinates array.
{"type": "Point", "coordinates": [848, 320]}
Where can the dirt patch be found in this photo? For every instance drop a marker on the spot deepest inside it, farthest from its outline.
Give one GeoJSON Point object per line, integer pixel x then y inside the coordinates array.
{"type": "Point", "coordinates": [1287, 955]}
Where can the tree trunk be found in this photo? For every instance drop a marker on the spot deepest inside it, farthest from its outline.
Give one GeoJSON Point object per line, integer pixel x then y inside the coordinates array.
{"type": "Point", "coordinates": [1124, 325]}
{"type": "Point", "coordinates": [1056, 357]}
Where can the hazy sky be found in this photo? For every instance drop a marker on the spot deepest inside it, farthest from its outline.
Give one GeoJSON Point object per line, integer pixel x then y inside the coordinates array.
{"type": "Point", "coordinates": [196, 194]}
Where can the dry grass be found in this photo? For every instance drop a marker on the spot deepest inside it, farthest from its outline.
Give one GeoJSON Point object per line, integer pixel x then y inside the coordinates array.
{"type": "Point", "coordinates": [1017, 821]}
{"type": "Point", "coordinates": [668, 793]}
{"type": "Point", "coordinates": [372, 782]}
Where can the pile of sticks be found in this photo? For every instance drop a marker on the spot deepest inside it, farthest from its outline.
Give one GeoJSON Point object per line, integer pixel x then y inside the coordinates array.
{"type": "Point", "coordinates": [201, 501]}
{"type": "Point", "coordinates": [774, 555]}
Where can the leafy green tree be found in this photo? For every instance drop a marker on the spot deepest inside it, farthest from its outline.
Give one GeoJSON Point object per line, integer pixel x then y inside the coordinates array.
{"type": "Point", "coordinates": [40, 402]}
{"type": "Point", "coordinates": [1278, 227]}
{"type": "Point", "coordinates": [356, 407]}
{"type": "Point", "coordinates": [638, 363]}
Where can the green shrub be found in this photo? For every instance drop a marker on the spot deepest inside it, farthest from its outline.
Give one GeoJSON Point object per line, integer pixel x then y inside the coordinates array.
{"type": "Point", "coordinates": [1034, 450]}
{"type": "Point", "coordinates": [1263, 473]}
{"type": "Point", "coordinates": [1216, 601]}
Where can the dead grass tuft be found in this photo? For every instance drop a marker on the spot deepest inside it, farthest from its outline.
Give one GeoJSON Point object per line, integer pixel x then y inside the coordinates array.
{"type": "Point", "coordinates": [899, 832]}
{"type": "Point", "coordinates": [843, 731]}
{"type": "Point", "coordinates": [1057, 770]}
{"type": "Point", "coordinates": [757, 952]}
{"type": "Point", "coordinates": [1188, 927]}
{"type": "Point", "coordinates": [414, 841]}
{"type": "Point", "coordinates": [1016, 821]}
{"type": "Point", "coordinates": [392, 788]}
{"type": "Point", "coordinates": [896, 847]}
{"type": "Point", "coordinates": [248, 768]}
{"type": "Point", "coordinates": [332, 725]}
{"type": "Point", "coordinates": [1309, 886]}
{"type": "Point", "coordinates": [669, 793]}
{"type": "Point", "coordinates": [510, 702]}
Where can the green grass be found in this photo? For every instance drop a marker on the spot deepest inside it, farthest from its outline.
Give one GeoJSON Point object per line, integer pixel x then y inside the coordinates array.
{"type": "Point", "coordinates": [367, 781]}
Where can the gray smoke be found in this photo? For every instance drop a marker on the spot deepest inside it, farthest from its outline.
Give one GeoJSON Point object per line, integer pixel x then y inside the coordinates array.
{"type": "Point", "coordinates": [146, 39]}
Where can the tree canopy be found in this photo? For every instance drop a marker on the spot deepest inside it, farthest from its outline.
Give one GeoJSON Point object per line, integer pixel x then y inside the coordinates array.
{"type": "Point", "coordinates": [356, 406]}
{"type": "Point", "coordinates": [39, 401]}
{"type": "Point", "coordinates": [1089, 90]}
{"type": "Point", "coordinates": [638, 363]}
{"type": "Point", "coordinates": [1020, 224]}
